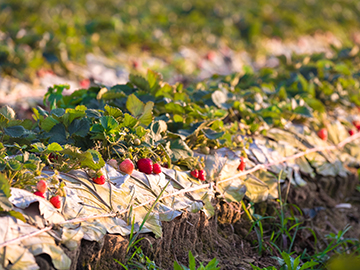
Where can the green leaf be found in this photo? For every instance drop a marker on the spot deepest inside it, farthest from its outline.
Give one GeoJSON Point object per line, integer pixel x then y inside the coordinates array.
{"type": "Point", "coordinates": [153, 79]}
{"type": "Point", "coordinates": [4, 186]}
{"type": "Point", "coordinates": [3, 121]}
{"type": "Point", "coordinates": [192, 264]}
{"type": "Point", "coordinates": [79, 127]}
{"type": "Point", "coordinates": [113, 111]}
{"type": "Point", "coordinates": [146, 117]}
{"type": "Point", "coordinates": [14, 165]}
{"type": "Point", "coordinates": [92, 160]}
{"type": "Point", "coordinates": [2, 164]}
{"type": "Point", "coordinates": [58, 112]}
{"type": "Point", "coordinates": [139, 82]}
{"type": "Point", "coordinates": [108, 122]}
{"type": "Point", "coordinates": [134, 105]}
{"type": "Point", "coordinates": [48, 123]}
{"type": "Point", "coordinates": [178, 149]}
{"type": "Point", "coordinates": [8, 112]}
{"type": "Point", "coordinates": [303, 111]}
{"type": "Point", "coordinates": [212, 135]}
{"type": "Point", "coordinates": [38, 147]}
{"type": "Point", "coordinates": [54, 147]}
{"type": "Point", "coordinates": [58, 134]}
{"type": "Point", "coordinates": [129, 121]}
{"type": "Point", "coordinates": [17, 215]}
{"type": "Point", "coordinates": [92, 113]}
{"type": "Point", "coordinates": [15, 131]}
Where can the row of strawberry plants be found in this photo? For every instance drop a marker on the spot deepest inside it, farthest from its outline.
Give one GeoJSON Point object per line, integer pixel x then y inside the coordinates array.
{"type": "Point", "coordinates": [148, 118]}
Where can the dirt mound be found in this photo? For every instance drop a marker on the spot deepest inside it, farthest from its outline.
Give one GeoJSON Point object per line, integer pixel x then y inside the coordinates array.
{"type": "Point", "coordinates": [226, 235]}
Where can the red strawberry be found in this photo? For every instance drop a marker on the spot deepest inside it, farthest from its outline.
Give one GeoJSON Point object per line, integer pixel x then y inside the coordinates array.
{"type": "Point", "coordinates": [38, 193]}
{"type": "Point", "coordinates": [55, 201]}
{"type": "Point", "coordinates": [100, 180]}
{"type": "Point", "coordinates": [145, 165]}
{"type": "Point", "coordinates": [195, 173]}
{"type": "Point", "coordinates": [85, 83]}
{"type": "Point", "coordinates": [357, 124]}
{"type": "Point", "coordinates": [127, 166]}
{"type": "Point", "coordinates": [53, 157]}
{"type": "Point", "coordinates": [210, 56]}
{"type": "Point", "coordinates": [202, 175]}
{"type": "Point", "coordinates": [156, 168]}
{"type": "Point", "coordinates": [351, 132]}
{"type": "Point", "coordinates": [241, 166]}
{"type": "Point", "coordinates": [41, 186]}
{"type": "Point", "coordinates": [323, 134]}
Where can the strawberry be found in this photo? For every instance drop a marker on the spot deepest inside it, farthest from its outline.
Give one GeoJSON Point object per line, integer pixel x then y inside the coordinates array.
{"type": "Point", "coordinates": [55, 201]}
{"type": "Point", "coordinates": [40, 194]}
{"type": "Point", "coordinates": [85, 83]}
{"type": "Point", "coordinates": [241, 166]}
{"type": "Point", "coordinates": [323, 134]}
{"type": "Point", "coordinates": [195, 173]}
{"type": "Point", "coordinates": [210, 56]}
{"type": "Point", "coordinates": [52, 157]}
{"type": "Point", "coordinates": [145, 165]}
{"type": "Point", "coordinates": [156, 168]}
{"type": "Point", "coordinates": [202, 175]}
{"type": "Point", "coordinates": [41, 186]}
{"type": "Point", "coordinates": [113, 163]}
{"type": "Point", "coordinates": [357, 124]}
{"type": "Point", "coordinates": [351, 132]}
{"type": "Point", "coordinates": [127, 166]}
{"type": "Point", "coordinates": [100, 180]}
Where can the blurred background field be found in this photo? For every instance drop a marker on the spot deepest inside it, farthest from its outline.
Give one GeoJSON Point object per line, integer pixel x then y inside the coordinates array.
{"type": "Point", "coordinates": [46, 42]}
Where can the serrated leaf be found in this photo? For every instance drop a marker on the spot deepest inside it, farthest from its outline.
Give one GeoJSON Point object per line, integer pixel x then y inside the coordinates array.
{"type": "Point", "coordinates": [146, 117]}
{"type": "Point", "coordinates": [91, 113]}
{"type": "Point", "coordinates": [79, 127]}
{"type": "Point", "coordinates": [113, 111]}
{"type": "Point", "coordinates": [178, 149]}
{"type": "Point", "coordinates": [14, 164]}
{"type": "Point", "coordinates": [139, 82]}
{"type": "Point", "coordinates": [58, 112]}
{"type": "Point", "coordinates": [38, 147]}
{"type": "Point", "coordinates": [134, 105]}
{"type": "Point", "coordinates": [129, 121]}
{"type": "Point", "coordinates": [58, 134]}
{"type": "Point", "coordinates": [108, 122]}
{"type": "Point", "coordinates": [92, 160]}
{"type": "Point", "coordinates": [48, 123]}
{"type": "Point", "coordinates": [54, 147]}
{"type": "Point", "coordinates": [15, 131]}
{"type": "Point", "coordinates": [8, 112]}
{"type": "Point", "coordinates": [3, 121]}
{"type": "Point", "coordinates": [153, 79]}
